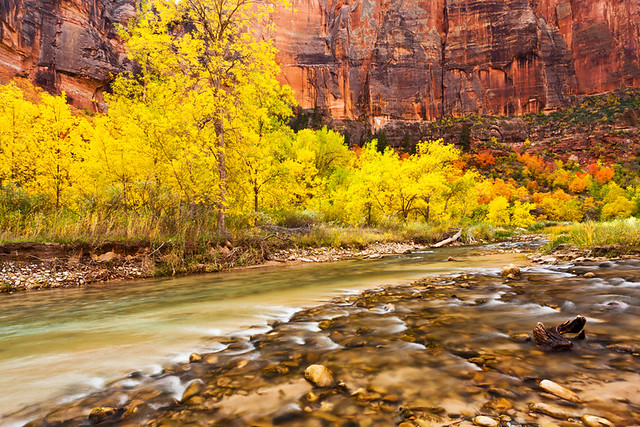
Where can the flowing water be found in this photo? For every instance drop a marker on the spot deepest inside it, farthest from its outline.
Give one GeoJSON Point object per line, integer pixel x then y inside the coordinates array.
{"type": "Point", "coordinates": [59, 345]}
{"type": "Point", "coordinates": [437, 352]}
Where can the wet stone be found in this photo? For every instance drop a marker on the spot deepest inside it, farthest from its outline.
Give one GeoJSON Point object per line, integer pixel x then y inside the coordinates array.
{"type": "Point", "coordinates": [521, 338]}
{"type": "Point", "coordinates": [102, 413]}
{"type": "Point", "coordinates": [552, 411]}
{"type": "Point", "coordinates": [319, 375]}
{"type": "Point", "coordinates": [559, 391]}
{"type": "Point", "coordinates": [192, 389]}
{"type": "Point", "coordinates": [498, 405]}
{"type": "Point", "coordinates": [593, 421]}
{"type": "Point", "coordinates": [484, 421]}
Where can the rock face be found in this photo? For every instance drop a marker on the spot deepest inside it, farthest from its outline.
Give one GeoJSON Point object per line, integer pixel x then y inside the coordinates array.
{"type": "Point", "coordinates": [370, 61]}
{"type": "Point", "coordinates": [397, 60]}
{"type": "Point", "coordinates": [69, 45]}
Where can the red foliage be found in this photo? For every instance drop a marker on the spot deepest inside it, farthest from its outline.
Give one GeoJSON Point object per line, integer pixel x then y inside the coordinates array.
{"type": "Point", "coordinates": [485, 159]}
{"type": "Point", "coordinates": [604, 175]}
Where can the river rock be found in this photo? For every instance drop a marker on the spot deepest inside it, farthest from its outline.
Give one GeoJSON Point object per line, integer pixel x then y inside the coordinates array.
{"type": "Point", "coordinates": [560, 391]}
{"type": "Point", "coordinates": [499, 405]}
{"type": "Point", "coordinates": [589, 275]}
{"type": "Point", "coordinates": [194, 357]}
{"type": "Point", "coordinates": [102, 413]}
{"type": "Point", "coordinates": [319, 375]}
{"type": "Point", "coordinates": [107, 256]}
{"type": "Point", "coordinates": [482, 420]}
{"type": "Point", "coordinates": [593, 421]}
{"type": "Point", "coordinates": [522, 338]}
{"type": "Point", "coordinates": [133, 408]}
{"type": "Point", "coordinates": [552, 411]}
{"type": "Point", "coordinates": [510, 271]}
{"type": "Point", "coordinates": [192, 389]}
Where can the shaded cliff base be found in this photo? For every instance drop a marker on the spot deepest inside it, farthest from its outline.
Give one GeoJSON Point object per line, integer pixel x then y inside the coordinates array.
{"type": "Point", "coordinates": [602, 127]}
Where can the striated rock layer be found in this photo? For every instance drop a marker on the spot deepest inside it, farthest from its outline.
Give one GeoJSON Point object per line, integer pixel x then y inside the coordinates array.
{"type": "Point", "coordinates": [410, 60]}
{"type": "Point", "coordinates": [370, 61]}
{"type": "Point", "coordinates": [69, 45]}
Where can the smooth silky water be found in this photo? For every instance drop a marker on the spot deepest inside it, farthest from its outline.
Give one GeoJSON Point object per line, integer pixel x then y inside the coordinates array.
{"type": "Point", "coordinates": [58, 345]}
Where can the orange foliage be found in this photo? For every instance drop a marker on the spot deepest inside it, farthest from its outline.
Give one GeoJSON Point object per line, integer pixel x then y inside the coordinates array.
{"type": "Point", "coordinates": [593, 168]}
{"type": "Point", "coordinates": [535, 164]}
{"type": "Point", "coordinates": [601, 174]}
{"type": "Point", "coordinates": [485, 159]}
{"type": "Point", "coordinates": [459, 163]}
{"type": "Point", "coordinates": [357, 150]}
{"type": "Point", "coordinates": [604, 175]}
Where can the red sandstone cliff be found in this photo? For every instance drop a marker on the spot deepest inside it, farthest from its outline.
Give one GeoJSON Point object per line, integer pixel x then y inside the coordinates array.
{"type": "Point", "coordinates": [419, 60]}
{"type": "Point", "coordinates": [68, 45]}
{"type": "Point", "coordinates": [371, 60]}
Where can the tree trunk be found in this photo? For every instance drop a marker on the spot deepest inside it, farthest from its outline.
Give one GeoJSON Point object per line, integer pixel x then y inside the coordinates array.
{"type": "Point", "coordinates": [255, 198]}
{"type": "Point", "coordinates": [222, 171]}
{"type": "Point", "coordinates": [449, 240]}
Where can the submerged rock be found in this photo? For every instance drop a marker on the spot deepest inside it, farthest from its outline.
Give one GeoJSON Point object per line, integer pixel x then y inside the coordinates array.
{"type": "Point", "coordinates": [552, 411]}
{"type": "Point", "coordinates": [319, 376]}
{"type": "Point", "coordinates": [593, 421]}
{"type": "Point", "coordinates": [102, 413]}
{"type": "Point", "coordinates": [482, 420]}
{"type": "Point", "coordinates": [521, 338]}
{"type": "Point", "coordinates": [192, 389]}
{"type": "Point", "coordinates": [558, 390]}
{"type": "Point", "coordinates": [511, 271]}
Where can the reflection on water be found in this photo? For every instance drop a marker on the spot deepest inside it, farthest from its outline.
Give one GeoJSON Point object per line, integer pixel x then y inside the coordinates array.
{"type": "Point", "coordinates": [63, 343]}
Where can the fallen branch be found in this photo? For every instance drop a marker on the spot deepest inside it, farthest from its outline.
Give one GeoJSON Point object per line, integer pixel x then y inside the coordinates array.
{"type": "Point", "coordinates": [449, 240]}
{"type": "Point", "coordinates": [552, 340]}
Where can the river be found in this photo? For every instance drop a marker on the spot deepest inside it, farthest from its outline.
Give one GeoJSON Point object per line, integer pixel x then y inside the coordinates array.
{"type": "Point", "coordinates": [59, 345]}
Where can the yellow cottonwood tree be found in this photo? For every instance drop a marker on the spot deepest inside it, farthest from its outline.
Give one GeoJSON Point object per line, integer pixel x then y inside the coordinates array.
{"type": "Point", "coordinates": [62, 145]}
{"type": "Point", "coordinates": [213, 46]}
{"type": "Point", "coordinates": [17, 140]}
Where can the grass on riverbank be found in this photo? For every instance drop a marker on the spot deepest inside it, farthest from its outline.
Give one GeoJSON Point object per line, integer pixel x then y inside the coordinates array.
{"type": "Point", "coordinates": [623, 235]}
{"type": "Point", "coordinates": [187, 242]}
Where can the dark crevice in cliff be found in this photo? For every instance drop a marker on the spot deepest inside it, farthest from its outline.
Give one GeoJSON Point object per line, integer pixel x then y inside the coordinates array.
{"type": "Point", "coordinates": [445, 32]}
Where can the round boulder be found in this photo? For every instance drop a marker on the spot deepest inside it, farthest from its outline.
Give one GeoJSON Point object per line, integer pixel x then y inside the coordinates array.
{"type": "Point", "coordinates": [319, 376]}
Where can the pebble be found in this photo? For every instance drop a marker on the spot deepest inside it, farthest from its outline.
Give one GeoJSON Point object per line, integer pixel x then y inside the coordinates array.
{"type": "Point", "coordinates": [21, 275]}
{"type": "Point", "coordinates": [593, 421]}
{"type": "Point", "coordinates": [551, 410]}
{"type": "Point", "coordinates": [482, 420]}
{"type": "Point", "coordinates": [319, 375]}
{"type": "Point", "coordinates": [521, 338]}
{"type": "Point", "coordinates": [323, 254]}
{"type": "Point", "coordinates": [559, 391]}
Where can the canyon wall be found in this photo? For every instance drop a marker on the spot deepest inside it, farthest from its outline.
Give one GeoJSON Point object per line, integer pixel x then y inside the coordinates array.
{"type": "Point", "coordinates": [69, 45]}
{"type": "Point", "coordinates": [411, 60]}
{"type": "Point", "coordinates": [370, 61]}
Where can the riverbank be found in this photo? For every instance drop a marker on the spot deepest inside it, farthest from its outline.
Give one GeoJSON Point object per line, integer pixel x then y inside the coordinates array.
{"type": "Point", "coordinates": [33, 266]}
{"type": "Point", "coordinates": [449, 350]}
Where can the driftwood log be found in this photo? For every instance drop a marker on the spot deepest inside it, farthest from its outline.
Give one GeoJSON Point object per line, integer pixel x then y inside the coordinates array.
{"type": "Point", "coordinates": [552, 339]}
{"type": "Point", "coordinates": [449, 240]}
